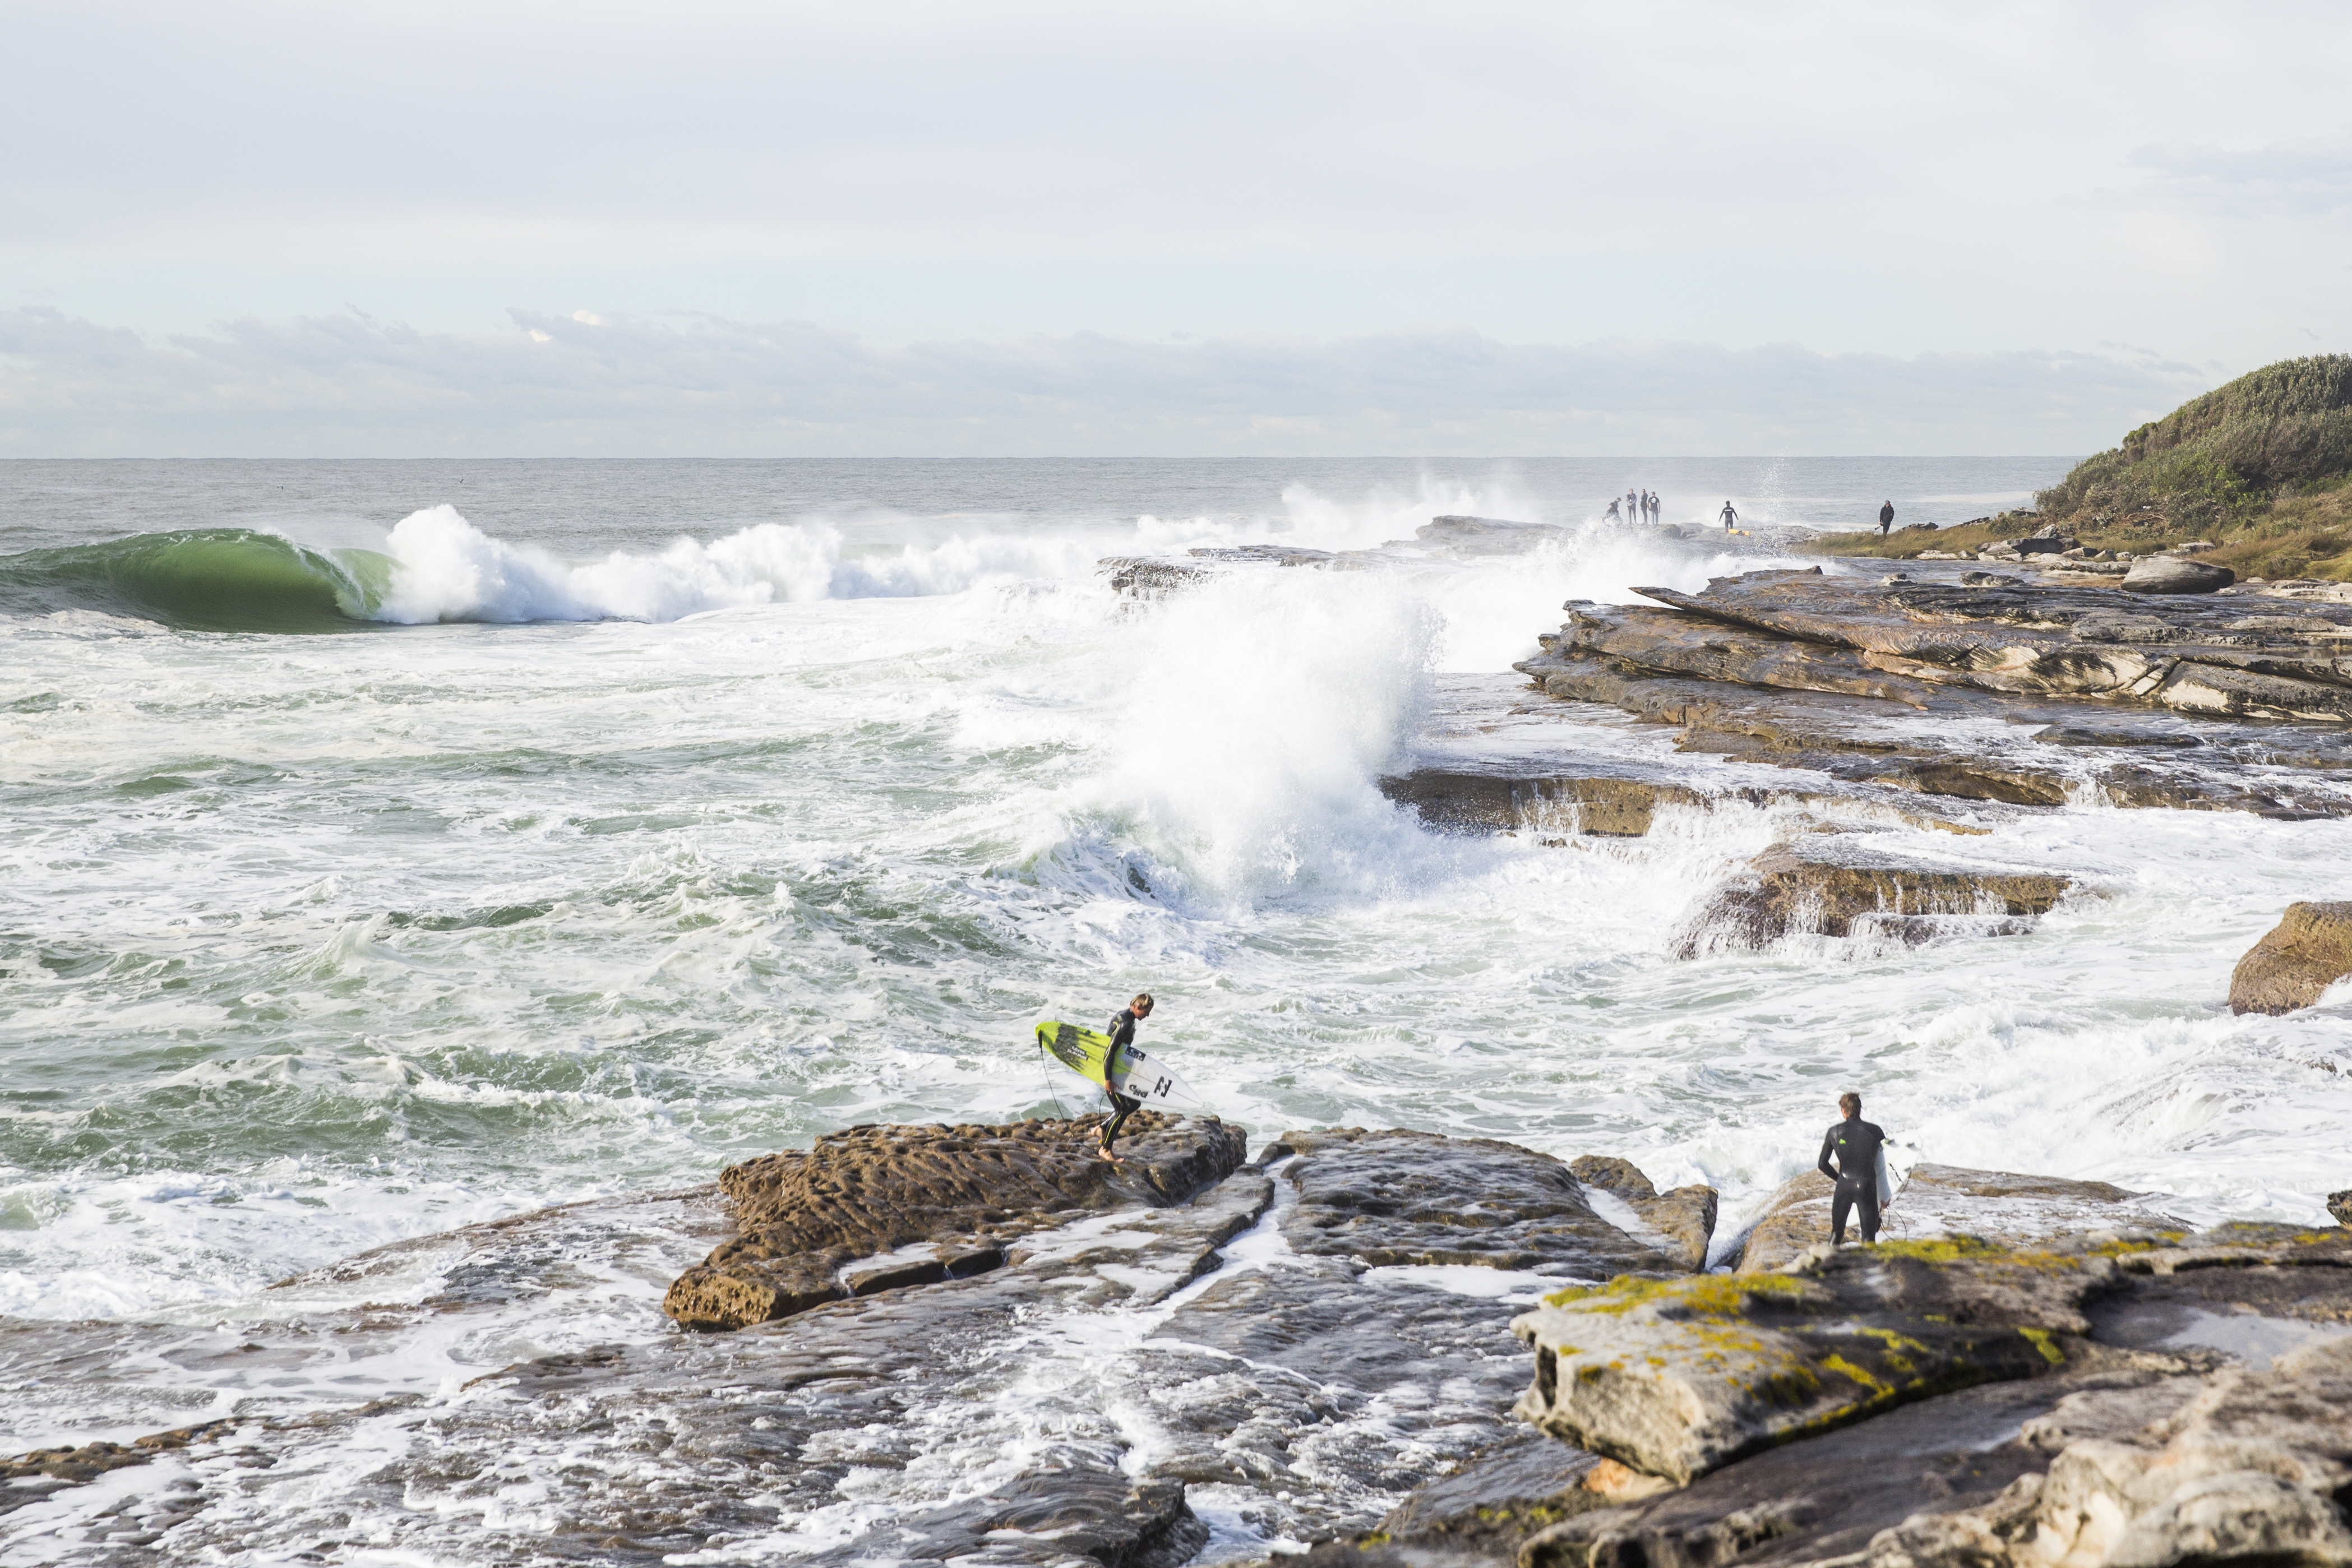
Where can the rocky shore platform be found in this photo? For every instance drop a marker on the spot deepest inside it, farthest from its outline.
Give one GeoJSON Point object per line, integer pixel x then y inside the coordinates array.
{"type": "Point", "coordinates": [1850, 707]}
{"type": "Point", "coordinates": [978, 1345]}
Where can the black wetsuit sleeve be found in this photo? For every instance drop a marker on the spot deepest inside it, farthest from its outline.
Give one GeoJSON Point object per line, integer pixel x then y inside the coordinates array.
{"type": "Point", "coordinates": [1829, 1141]}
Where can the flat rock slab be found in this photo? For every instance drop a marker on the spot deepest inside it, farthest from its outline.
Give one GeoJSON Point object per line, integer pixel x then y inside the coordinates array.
{"type": "Point", "coordinates": [2294, 963]}
{"type": "Point", "coordinates": [880, 1207]}
{"type": "Point", "coordinates": [1676, 1378]}
{"type": "Point", "coordinates": [1937, 1202]}
{"type": "Point", "coordinates": [1407, 1197]}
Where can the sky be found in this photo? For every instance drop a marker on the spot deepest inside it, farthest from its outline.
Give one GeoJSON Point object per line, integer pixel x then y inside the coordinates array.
{"type": "Point", "coordinates": [925, 229]}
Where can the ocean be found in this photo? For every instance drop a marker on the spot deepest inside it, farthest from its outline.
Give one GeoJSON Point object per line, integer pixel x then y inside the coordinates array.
{"type": "Point", "coordinates": [392, 846]}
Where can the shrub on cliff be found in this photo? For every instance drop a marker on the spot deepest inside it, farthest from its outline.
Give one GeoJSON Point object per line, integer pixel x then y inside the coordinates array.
{"type": "Point", "coordinates": [2219, 460]}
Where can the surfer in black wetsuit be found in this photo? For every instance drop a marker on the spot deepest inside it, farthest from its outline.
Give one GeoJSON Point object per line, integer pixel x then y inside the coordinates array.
{"type": "Point", "coordinates": [1122, 1035]}
{"type": "Point", "coordinates": [1855, 1143]}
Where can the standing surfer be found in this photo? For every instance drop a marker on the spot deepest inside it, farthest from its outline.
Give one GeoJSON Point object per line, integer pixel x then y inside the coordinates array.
{"type": "Point", "coordinates": [1122, 1035]}
{"type": "Point", "coordinates": [1858, 1145]}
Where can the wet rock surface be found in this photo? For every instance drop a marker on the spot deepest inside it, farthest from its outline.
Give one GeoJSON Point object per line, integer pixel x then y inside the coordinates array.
{"type": "Point", "coordinates": [2307, 951]}
{"type": "Point", "coordinates": [1315, 1347]}
{"type": "Point", "coordinates": [1285, 1353]}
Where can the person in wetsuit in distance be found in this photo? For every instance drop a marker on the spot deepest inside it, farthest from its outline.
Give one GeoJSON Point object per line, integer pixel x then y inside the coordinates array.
{"type": "Point", "coordinates": [1855, 1143]}
{"type": "Point", "coordinates": [1122, 1035]}
{"type": "Point", "coordinates": [1731, 517]}
{"type": "Point", "coordinates": [1885, 518]}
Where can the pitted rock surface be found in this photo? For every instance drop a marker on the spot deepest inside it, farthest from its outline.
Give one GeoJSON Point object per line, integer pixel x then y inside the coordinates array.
{"type": "Point", "coordinates": [920, 1205]}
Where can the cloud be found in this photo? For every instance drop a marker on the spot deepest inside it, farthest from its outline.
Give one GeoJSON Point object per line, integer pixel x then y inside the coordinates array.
{"type": "Point", "coordinates": [702, 385]}
{"type": "Point", "coordinates": [2294, 178]}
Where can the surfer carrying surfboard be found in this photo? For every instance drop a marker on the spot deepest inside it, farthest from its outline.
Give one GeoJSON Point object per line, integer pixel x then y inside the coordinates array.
{"type": "Point", "coordinates": [1122, 1035]}
{"type": "Point", "coordinates": [1860, 1148]}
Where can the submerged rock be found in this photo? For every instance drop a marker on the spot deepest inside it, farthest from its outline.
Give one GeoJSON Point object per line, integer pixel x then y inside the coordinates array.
{"type": "Point", "coordinates": [1832, 887]}
{"type": "Point", "coordinates": [1148, 577]}
{"type": "Point", "coordinates": [1486, 536]}
{"type": "Point", "coordinates": [2294, 963]}
{"type": "Point", "coordinates": [1621, 805]}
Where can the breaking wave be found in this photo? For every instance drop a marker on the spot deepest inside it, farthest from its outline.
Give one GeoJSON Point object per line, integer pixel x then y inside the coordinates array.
{"type": "Point", "coordinates": [435, 566]}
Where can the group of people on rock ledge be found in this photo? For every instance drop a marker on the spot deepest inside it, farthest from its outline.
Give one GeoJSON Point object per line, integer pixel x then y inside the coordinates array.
{"type": "Point", "coordinates": [1636, 506]}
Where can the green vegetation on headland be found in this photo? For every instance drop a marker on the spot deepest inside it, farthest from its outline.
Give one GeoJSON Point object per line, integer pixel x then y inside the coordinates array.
{"type": "Point", "coordinates": [2261, 467]}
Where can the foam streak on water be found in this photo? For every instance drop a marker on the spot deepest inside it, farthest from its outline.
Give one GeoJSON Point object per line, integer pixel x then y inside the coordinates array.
{"type": "Point", "coordinates": [620, 860]}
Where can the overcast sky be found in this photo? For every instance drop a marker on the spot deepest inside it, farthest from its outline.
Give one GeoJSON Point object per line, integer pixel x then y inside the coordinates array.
{"type": "Point", "coordinates": [372, 229]}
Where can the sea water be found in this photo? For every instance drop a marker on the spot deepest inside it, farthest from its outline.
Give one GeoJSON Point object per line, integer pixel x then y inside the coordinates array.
{"type": "Point", "coordinates": [385, 847]}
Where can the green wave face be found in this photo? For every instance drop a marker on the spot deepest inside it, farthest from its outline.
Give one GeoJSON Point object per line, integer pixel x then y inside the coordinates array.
{"type": "Point", "coordinates": [202, 579]}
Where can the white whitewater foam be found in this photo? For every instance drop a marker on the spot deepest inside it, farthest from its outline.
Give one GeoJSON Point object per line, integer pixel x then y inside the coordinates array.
{"type": "Point", "coordinates": [445, 568]}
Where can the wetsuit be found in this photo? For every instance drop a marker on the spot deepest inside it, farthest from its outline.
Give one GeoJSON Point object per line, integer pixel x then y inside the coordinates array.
{"type": "Point", "coordinates": [1122, 1035]}
{"type": "Point", "coordinates": [1885, 518]}
{"type": "Point", "coordinates": [1729, 516]}
{"type": "Point", "coordinates": [1855, 1143]}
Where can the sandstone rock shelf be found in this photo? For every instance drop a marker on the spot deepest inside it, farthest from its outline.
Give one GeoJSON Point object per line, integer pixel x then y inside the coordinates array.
{"type": "Point", "coordinates": [1300, 1347]}
{"type": "Point", "coordinates": [1900, 683]}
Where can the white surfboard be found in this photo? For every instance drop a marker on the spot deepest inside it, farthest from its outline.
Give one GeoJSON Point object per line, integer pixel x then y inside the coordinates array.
{"type": "Point", "coordinates": [1141, 1076]}
{"type": "Point", "coordinates": [1133, 1072]}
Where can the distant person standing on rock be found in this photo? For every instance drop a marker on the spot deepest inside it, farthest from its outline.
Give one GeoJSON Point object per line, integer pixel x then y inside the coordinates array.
{"type": "Point", "coordinates": [1731, 517]}
{"type": "Point", "coordinates": [1885, 518]}
{"type": "Point", "coordinates": [1857, 1144]}
{"type": "Point", "coordinates": [1122, 1035]}
{"type": "Point", "coordinates": [1632, 504]}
